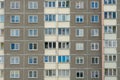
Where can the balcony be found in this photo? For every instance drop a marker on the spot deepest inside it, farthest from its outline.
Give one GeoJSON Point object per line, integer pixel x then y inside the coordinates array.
{"type": "Point", "coordinates": [110, 7]}
{"type": "Point", "coordinates": [110, 36]}
{"type": "Point", "coordinates": [110, 22]}
{"type": "Point", "coordinates": [110, 65]}
{"type": "Point", "coordinates": [110, 78]}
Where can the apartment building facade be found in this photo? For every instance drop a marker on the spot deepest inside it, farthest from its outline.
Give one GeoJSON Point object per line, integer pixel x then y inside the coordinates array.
{"type": "Point", "coordinates": [59, 40]}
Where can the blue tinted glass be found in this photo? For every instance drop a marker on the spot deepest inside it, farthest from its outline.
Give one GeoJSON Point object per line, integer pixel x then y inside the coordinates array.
{"type": "Point", "coordinates": [13, 18]}
{"type": "Point", "coordinates": [54, 18]}
{"type": "Point", "coordinates": [105, 28]}
{"type": "Point", "coordinates": [30, 19]}
{"type": "Point", "coordinates": [17, 32]}
{"type": "Point", "coordinates": [35, 19]}
{"type": "Point", "coordinates": [110, 1]}
{"type": "Point", "coordinates": [92, 18]}
{"type": "Point", "coordinates": [96, 4]}
{"type": "Point", "coordinates": [30, 60]}
{"type": "Point", "coordinates": [53, 4]}
{"type": "Point", "coordinates": [114, 15]}
{"type": "Point", "coordinates": [12, 46]}
{"type": "Point", "coordinates": [46, 17]}
{"type": "Point", "coordinates": [46, 58]}
{"type": "Point", "coordinates": [67, 59]}
{"type": "Point", "coordinates": [50, 17]}
{"type": "Point", "coordinates": [50, 4]}
{"type": "Point", "coordinates": [17, 18]}
{"type": "Point", "coordinates": [92, 4]}
{"type": "Point", "coordinates": [59, 59]}
{"type": "Point", "coordinates": [59, 31]}
{"type": "Point", "coordinates": [96, 18]}
{"type": "Point", "coordinates": [114, 1]}
{"type": "Point", "coordinates": [105, 1]}
{"type": "Point", "coordinates": [30, 46]}
{"type": "Point", "coordinates": [2, 18]}
{"type": "Point", "coordinates": [77, 19]}
{"type": "Point", "coordinates": [81, 20]}
{"type": "Point", "coordinates": [63, 59]}
{"type": "Point", "coordinates": [105, 14]}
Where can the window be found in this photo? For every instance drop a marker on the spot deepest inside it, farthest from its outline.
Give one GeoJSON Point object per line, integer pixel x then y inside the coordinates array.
{"type": "Point", "coordinates": [33, 18]}
{"type": "Point", "coordinates": [1, 73]}
{"type": "Point", "coordinates": [15, 19]}
{"type": "Point", "coordinates": [79, 5]}
{"type": "Point", "coordinates": [1, 59]}
{"type": "Point", "coordinates": [15, 5]}
{"type": "Point", "coordinates": [1, 32]}
{"type": "Point", "coordinates": [33, 46]}
{"type": "Point", "coordinates": [79, 19]}
{"type": "Point", "coordinates": [50, 17]}
{"type": "Point", "coordinates": [63, 17]}
{"type": "Point", "coordinates": [110, 2]}
{"type": "Point", "coordinates": [1, 4]}
{"type": "Point", "coordinates": [110, 72]}
{"type": "Point", "coordinates": [14, 74]}
{"type": "Point", "coordinates": [1, 46]}
{"type": "Point", "coordinates": [15, 46]}
{"type": "Point", "coordinates": [50, 4]}
{"type": "Point", "coordinates": [50, 73]}
{"type": "Point", "coordinates": [63, 31]}
{"type": "Point", "coordinates": [14, 32]}
{"type": "Point", "coordinates": [79, 46]}
{"type": "Point", "coordinates": [63, 73]}
{"type": "Point", "coordinates": [110, 43]}
{"type": "Point", "coordinates": [63, 3]}
{"type": "Point", "coordinates": [63, 59]}
{"type": "Point", "coordinates": [110, 15]}
{"type": "Point", "coordinates": [79, 32]}
{"type": "Point", "coordinates": [94, 32]}
{"type": "Point", "coordinates": [50, 59]}
{"type": "Point", "coordinates": [32, 32]}
{"type": "Point", "coordinates": [50, 31]}
{"type": "Point", "coordinates": [94, 4]}
{"type": "Point", "coordinates": [15, 60]}
{"type": "Point", "coordinates": [110, 29]}
{"type": "Point", "coordinates": [110, 58]}
{"type": "Point", "coordinates": [95, 19]}
{"type": "Point", "coordinates": [32, 5]}
{"type": "Point", "coordinates": [32, 60]}
{"type": "Point", "coordinates": [63, 45]}
{"type": "Point", "coordinates": [32, 74]}
{"type": "Point", "coordinates": [79, 60]}
{"type": "Point", "coordinates": [95, 74]}
{"type": "Point", "coordinates": [50, 45]}
{"type": "Point", "coordinates": [1, 18]}
{"type": "Point", "coordinates": [79, 74]}
{"type": "Point", "coordinates": [94, 46]}
{"type": "Point", "coordinates": [95, 60]}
